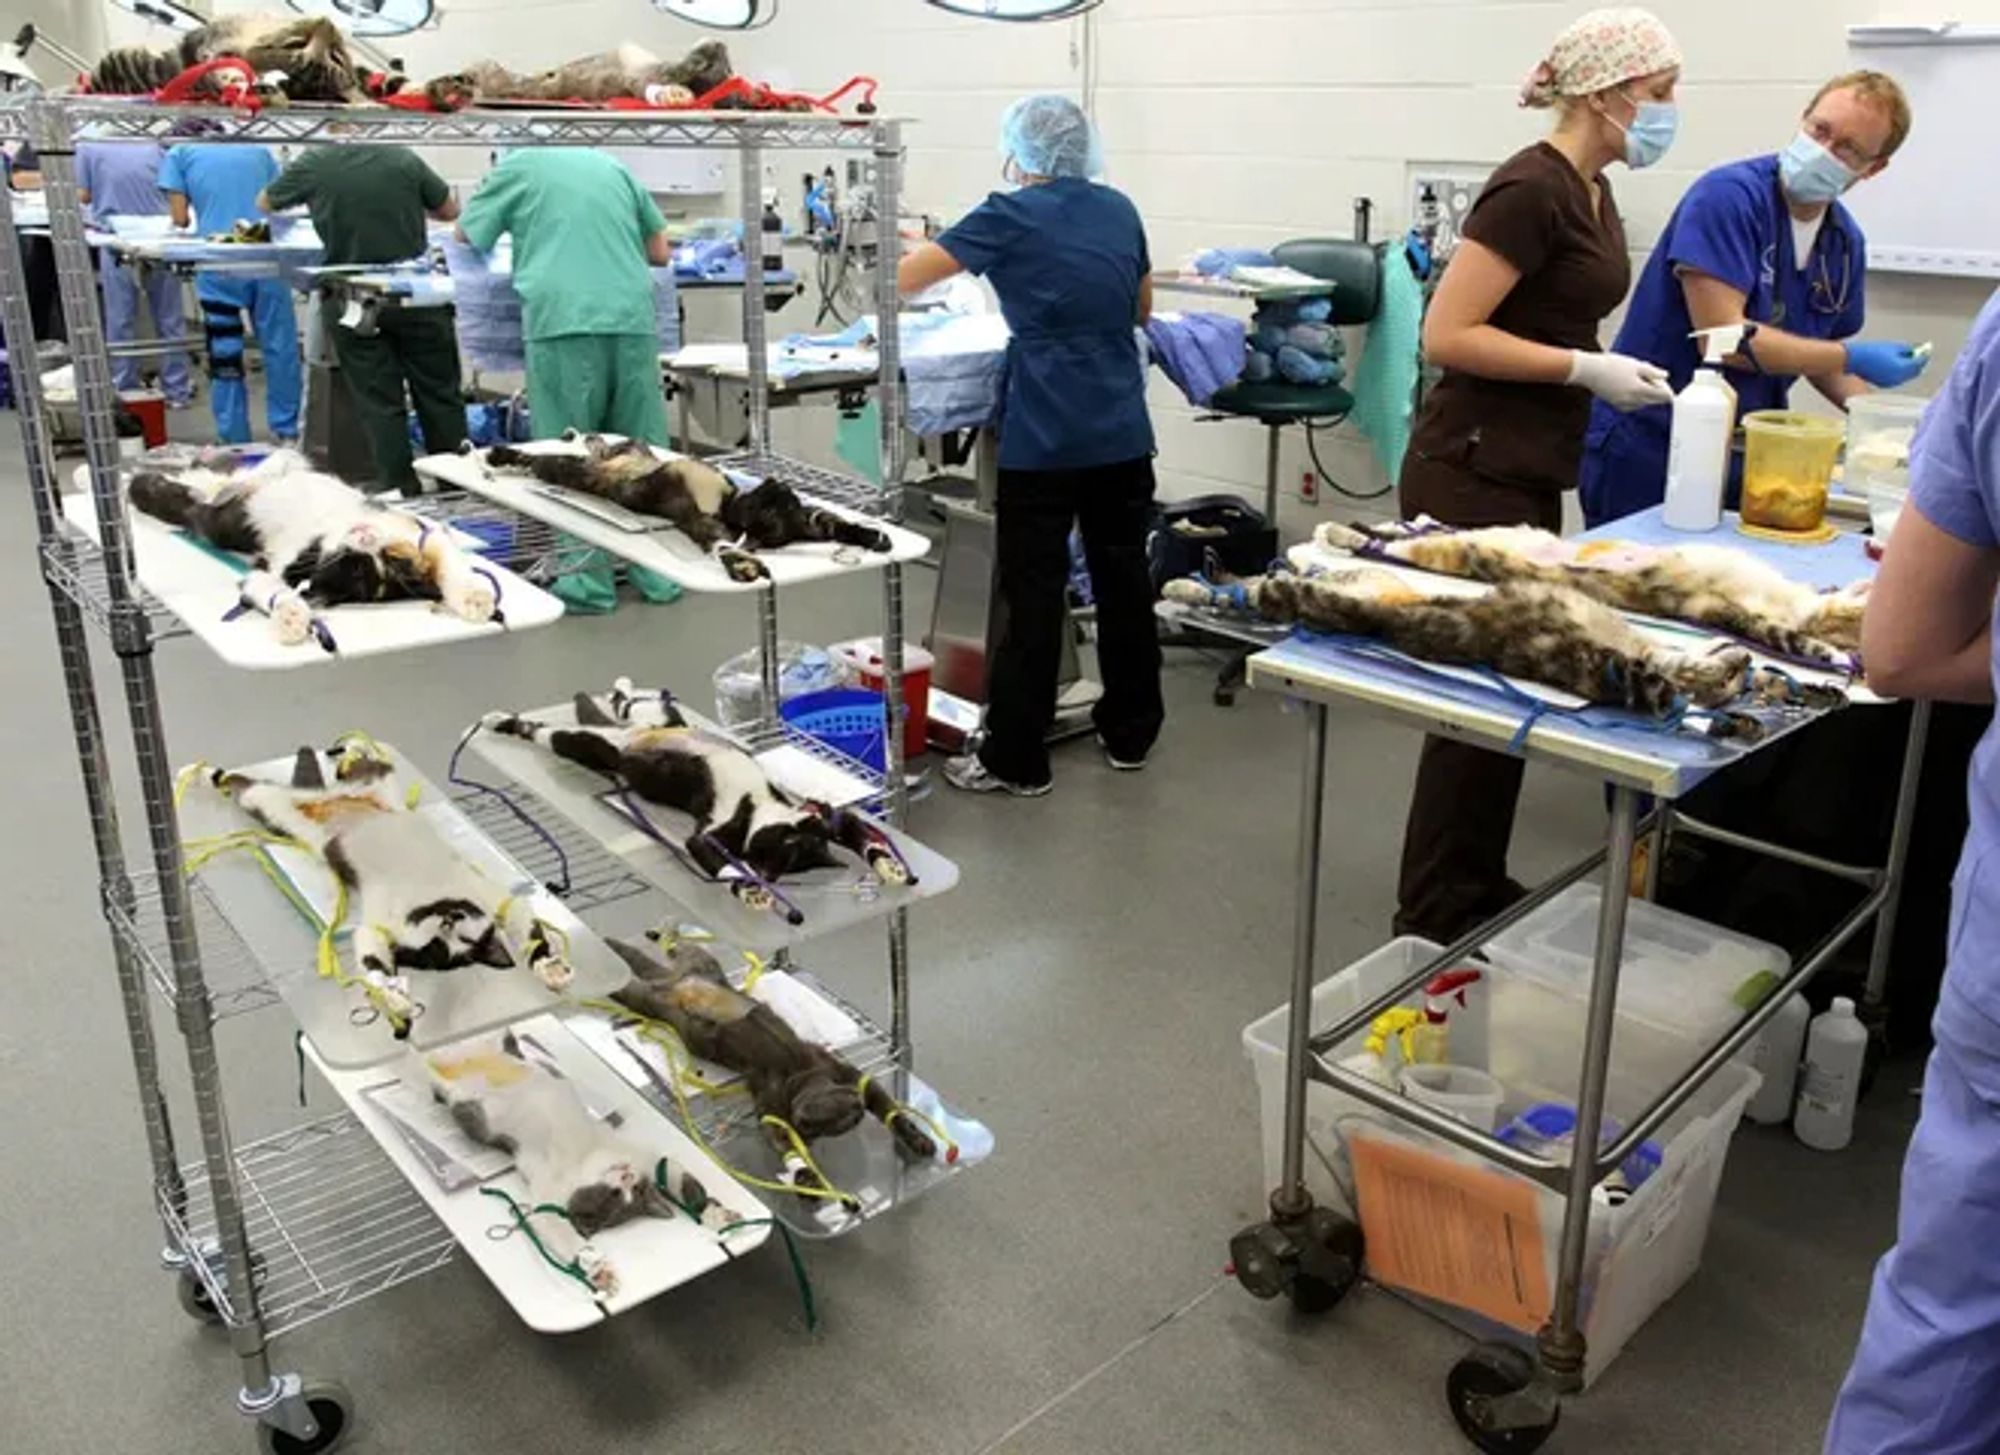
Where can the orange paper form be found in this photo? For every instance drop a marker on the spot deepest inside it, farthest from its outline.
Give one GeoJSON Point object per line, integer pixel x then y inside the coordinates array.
{"type": "Point", "coordinates": [1462, 1235]}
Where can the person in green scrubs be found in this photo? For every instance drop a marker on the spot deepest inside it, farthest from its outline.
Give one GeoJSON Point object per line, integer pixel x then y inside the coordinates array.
{"type": "Point", "coordinates": [586, 236]}
{"type": "Point", "coordinates": [368, 205]}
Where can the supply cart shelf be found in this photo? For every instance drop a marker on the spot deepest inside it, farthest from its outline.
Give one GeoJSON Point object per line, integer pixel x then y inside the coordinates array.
{"type": "Point", "coordinates": [832, 486]}
{"type": "Point", "coordinates": [331, 1222]}
{"type": "Point", "coordinates": [73, 564]}
{"type": "Point", "coordinates": [237, 980]}
{"type": "Point", "coordinates": [831, 900]}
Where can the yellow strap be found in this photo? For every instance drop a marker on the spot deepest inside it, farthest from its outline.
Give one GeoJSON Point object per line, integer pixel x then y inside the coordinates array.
{"type": "Point", "coordinates": [757, 968]}
{"type": "Point", "coordinates": [904, 1109]}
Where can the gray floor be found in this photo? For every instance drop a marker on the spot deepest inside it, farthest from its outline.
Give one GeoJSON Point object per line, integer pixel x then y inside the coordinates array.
{"type": "Point", "coordinates": [1083, 992]}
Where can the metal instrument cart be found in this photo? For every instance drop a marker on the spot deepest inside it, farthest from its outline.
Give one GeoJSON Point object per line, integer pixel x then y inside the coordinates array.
{"type": "Point", "coordinates": [258, 1235]}
{"type": "Point", "coordinates": [1501, 1399]}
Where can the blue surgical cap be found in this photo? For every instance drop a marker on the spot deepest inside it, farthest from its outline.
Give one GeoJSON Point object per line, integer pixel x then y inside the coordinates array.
{"type": "Point", "coordinates": [1049, 136]}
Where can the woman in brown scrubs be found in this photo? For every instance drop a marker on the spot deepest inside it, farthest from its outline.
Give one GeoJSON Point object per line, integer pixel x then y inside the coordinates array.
{"type": "Point", "coordinates": [1514, 326]}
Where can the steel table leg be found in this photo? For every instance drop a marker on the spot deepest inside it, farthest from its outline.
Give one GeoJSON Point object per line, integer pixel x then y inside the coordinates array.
{"type": "Point", "coordinates": [1899, 856]}
{"type": "Point", "coordinates": [1562, 1342]}
{"type": "Point", "coordinates": [1290, 1199]}
{"type": "Point", "coordinates": [1656, 850]}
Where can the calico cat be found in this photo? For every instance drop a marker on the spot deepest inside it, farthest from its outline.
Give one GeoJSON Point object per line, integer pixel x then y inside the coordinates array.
{"type": "Point", "coordinates": [416, 905]}
{"type": "Point", "coordinates": [570, 1160]}
{"type": "Point", "coordinates": [628, 73]}
{"type": "Point", "coordinates": [1708, 585]}
{"type": "Point", "coordinates": [324, 541]}
{"type": "Point", "coordinates": [742, 819]}
{"type": "Point", "coordinates": [700, 501]}
{"type": "Point", "coordinates": [311, 54]}
{"type": "Point", "coordinates": [1525, 629]}
{"type": "Point", "coordinates": [805, 1085]}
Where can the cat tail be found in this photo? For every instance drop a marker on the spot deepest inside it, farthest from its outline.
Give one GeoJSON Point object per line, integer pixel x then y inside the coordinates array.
{"type": "Point", "coordinates": [163, 498]}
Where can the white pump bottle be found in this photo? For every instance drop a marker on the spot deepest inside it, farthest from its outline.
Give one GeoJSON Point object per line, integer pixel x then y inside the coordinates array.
{"type": "Point", "coordinates": [1704, 422]}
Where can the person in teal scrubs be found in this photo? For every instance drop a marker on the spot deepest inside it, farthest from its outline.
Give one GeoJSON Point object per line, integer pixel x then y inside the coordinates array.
{"type": "Point", "coordinates": [586, 238]}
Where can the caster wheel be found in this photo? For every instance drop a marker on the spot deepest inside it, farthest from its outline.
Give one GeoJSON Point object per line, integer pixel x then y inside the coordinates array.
{"type": "Point", "coordinates": [1224, 697]}
{"type": "Point", "coordinates": [194, 1299]}
{"type": "Point", "coordinates": [1482, 1392]}
{"type": "Point", "coordinates": [332, 1407]}
{"type": "Point", "coordinates": [1329, 1262]}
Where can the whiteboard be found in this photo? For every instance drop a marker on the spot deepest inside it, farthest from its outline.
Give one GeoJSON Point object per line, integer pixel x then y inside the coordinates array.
{"type": "Point", "coordinates": [1935, 209]}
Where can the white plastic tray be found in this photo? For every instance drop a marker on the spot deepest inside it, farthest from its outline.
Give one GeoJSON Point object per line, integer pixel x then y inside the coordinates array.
{"type": "Point", "coordinates": [456, 1005]}
{"type": "Point", "coordinates": [831, 900]}
{"type": "Point", "coordinates": [650, 1255]}
{"type": "Point", "coordinates": [200, 590]}
{"type": "Point", "coordinates": [666, 550]}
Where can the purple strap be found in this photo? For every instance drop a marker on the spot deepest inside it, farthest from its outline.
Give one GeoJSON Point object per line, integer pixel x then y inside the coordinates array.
{"type": "Point", "coordinates": [792, 913]}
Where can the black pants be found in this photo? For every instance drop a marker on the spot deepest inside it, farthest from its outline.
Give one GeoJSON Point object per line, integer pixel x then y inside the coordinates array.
{"type": "Point", "coordinates": [417, 347]}
{"type": "Point", "coordinates": [1113, 505]}
{"type": "Point", "coordinates": [1454, 870]}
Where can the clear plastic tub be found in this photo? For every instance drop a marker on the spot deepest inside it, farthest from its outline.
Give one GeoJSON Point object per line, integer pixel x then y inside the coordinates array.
{"type": "Point", "coordinates": [1880, 430]}
{"type": "Point", "coordinates": [1788, 469]}
{"type": "Point", "coordinates": [1459, 1091]}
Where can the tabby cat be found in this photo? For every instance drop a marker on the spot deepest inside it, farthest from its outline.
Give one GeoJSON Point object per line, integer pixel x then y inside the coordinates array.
{"type": "Point", "coordinates": [628, 73]}
{"type": "Point", "coordinates": [311, 54]}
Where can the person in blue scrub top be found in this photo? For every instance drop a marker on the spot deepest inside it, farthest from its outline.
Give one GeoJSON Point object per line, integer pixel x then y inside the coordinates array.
{"type": "Point", "coordinates": [1068, 258]}
{"type": "Point", "coordinates": [122, 179]}
{"type": "Point", "coordinates": [1926, 1379]}
{"type": "Point", "coordinates": [220, 184]}
{"type": "Point", "coordinates": [1765, 242]}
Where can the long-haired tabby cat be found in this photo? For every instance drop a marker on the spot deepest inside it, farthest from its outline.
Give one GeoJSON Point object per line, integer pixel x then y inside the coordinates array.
{"type": "Point", "coordinates": [311, 54]}
{"type": "Point", "coordinates": [704, 504]}
{"type": "Point", "coordinates": [416, 904]}
{"type": "Point", "coordinates": [1526, 629]}
{"type": "Point", "coordinates": [322, 539]}
{"type": "Point", "coordinates": [805, 1085]}
{"type": "Point", "coordinates": [628, 73]}
{"type": "Point", "coordinates": [592, 1176]}
{"type": "Point", "coordinates": [741, 818]}
{"type": "Point", "coordinates": [1708, 585]}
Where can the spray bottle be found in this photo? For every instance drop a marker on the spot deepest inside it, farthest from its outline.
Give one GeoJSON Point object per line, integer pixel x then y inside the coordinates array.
{"type": "Point", "coordinates": [1430, 1039]}
{"type": "Point", "coordinates": [1704, 421]}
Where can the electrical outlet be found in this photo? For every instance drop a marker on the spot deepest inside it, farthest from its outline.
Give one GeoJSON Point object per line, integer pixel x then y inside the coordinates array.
{"type": "Point", "coordinates": [1309, 487]}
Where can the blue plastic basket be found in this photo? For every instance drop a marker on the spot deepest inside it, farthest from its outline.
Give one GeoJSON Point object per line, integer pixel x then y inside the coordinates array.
{"type": "Point", "coordinates": [847, 720]}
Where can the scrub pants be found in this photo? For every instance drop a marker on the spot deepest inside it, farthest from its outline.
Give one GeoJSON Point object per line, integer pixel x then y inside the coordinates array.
{"type": "Point", "coordinates": [600, 383]}
{"type": "Point", "coordinates": [1624, 470]}
{"type": "Point", "coordinates": [413, 347]}
{"type": "Point", "coordinates": [1454, 869]}
{"type": "Point", "coordinates": [122, 287]}
{"type": "Point", "coordinates": [1924, 1379]}
{"type": "Point", "coordinates": [1113, 505]}
{"type": "Point", "coordinates": [224, 301]}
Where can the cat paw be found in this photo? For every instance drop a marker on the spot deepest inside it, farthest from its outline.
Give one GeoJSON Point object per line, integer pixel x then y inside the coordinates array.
{"type": "Point", "coordinates": [473, 601]}
{"type": "Point", "coordinates": [571, 436]}
{"type": "Point", "coordinates": [291, 621]}
{"type": "Point", "coordinates": [597, 1271]}
{"type": "Point", "coordinates": [756, 896]}
{"type": "Point", "coordinates": [1333, 536]}
{"type": "Point", "coordinates": [1187, 593]}
{"type": "Point", "coordinates": [556, 974]}
{"type": "Point", "coordinates": [888, 868]}
{"type": "Point", "coordinates": [718, 1218]}
{"type": "Point", "coordinates": [743, 567]}
{"type": "Point", "coordinates": [467, 447]}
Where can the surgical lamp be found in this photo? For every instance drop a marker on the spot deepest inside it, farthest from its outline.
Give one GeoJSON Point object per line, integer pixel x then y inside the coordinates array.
{"type": "Point", "coordinates": [1019, 10]}
{"type": "Point", "coordinates": [722, 14]}
{"type": "Point", "coordinates": [363, 18]}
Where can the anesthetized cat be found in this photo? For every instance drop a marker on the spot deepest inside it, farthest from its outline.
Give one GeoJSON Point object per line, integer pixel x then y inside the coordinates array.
{"type": "Point", "coordinates": [643, 743]}
{"type": "Point", "coordinates": [705, 505]}
{"type": "Point", "coordinates": [1524, 629]}
{"type": "Point", "coordinates": [324, 541]}
{"type": "Point", "coordinates": [1708, 585]}
{"type": "Point", "coordinates": [416, 904]}
{"type": "Point", "coordinates": [597, 1176]}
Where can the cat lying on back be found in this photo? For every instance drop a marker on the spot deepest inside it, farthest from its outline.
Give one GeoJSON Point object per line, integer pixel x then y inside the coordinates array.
{"type": "Point", "coordinates": [598, 1177]}
{"type": "Point", "coordinates": [629, 73]}
{"type": "Point", "coordinates": [741, 817]}
{"type": "Point", "coordinates": [1523, 629]}
{"type": "Point", "coordinates": [414, 903]}
{"type": "Point", "coordinates": [1707, 585]}
{"type": "Point", "coordinates": [325, 543]}
{"type": "Point", "coordinates": [704, 504]}
{"type": "Point", "coordinates": [804, 1085]}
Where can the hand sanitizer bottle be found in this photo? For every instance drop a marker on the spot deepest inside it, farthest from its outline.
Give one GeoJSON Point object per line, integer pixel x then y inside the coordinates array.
{"type": "Point", "coordinates": [1704, 421]}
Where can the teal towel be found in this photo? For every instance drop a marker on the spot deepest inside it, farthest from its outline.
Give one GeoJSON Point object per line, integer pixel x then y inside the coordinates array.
{"type": "Point", "coordinates": [1385, 388]}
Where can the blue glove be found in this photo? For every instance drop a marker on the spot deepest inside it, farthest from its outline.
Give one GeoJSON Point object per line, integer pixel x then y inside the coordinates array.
{"type": "Point", "coordinates": [1886, 366]}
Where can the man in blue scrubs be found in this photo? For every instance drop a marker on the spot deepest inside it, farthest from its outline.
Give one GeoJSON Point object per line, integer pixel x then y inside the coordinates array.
{"type": "Point", "coordinates": [122, 179]}
{"type": "Point", "coordinates": [1765, 242]}
{"type": "Point", "coordinates": [220, 183]}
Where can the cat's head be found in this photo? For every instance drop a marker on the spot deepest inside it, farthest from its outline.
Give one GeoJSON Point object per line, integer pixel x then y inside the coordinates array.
{"type": "Point", "coordinates": [782, 849]}
{"type": "Point", "coordinates": [450, 934]}
{"type": "Point", "coordinates": [622, 1191]}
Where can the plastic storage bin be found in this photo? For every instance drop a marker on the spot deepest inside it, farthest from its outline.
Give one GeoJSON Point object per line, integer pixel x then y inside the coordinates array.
{"type": "Point", "coordinates": [1788, 470]}
{"type": "Point", "coordinates": [864, 658]}
{"type": "Point", "coordinates": [1880, 430]}
{"type": "Point", "coordinates": [1678, 974]}
{"type": "Point", "coordinates": [847, 719]}
{"type": "Point", "coordinates": [1477, 1244]}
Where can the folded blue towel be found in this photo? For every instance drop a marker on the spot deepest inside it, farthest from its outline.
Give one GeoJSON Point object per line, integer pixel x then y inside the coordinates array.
{"type": "Point", "coordinates": [1201, 352]}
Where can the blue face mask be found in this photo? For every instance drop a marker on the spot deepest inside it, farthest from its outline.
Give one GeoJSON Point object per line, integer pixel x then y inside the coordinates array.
{"type": "Point", "coordinates": [1652, 132]}
{"type": "Point", "coordinates": [1812, 174]}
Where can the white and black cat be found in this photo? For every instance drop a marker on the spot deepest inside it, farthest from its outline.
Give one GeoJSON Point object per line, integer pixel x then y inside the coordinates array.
{"type": "Point", "coordinates": [598, 1177]}
{"type": "Point", "coordinates": [417, 905]}
{"type": "Point", "coordinates": [325, 543]}
{"type": "Point", "coordinates": [742, 819]}
{"type": "Point", "coordinates": [728, 522]}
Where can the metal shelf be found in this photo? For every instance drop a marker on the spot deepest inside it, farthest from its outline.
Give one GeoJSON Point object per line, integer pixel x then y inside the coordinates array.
{"type": "Point", "coordinates": [305, 122]}
{"type": "Point", "coordinates": [236, 979]}
{"type": "Point", "coordinates": [581, 871]}
{"type": "Point", "coordinates": [762, 737]}
{"type": "Point", "coordinates": [331, 1222]}
{"type": "Point", "coordinates": [533, 549]}
{"type": "Point", "coordinates": [831, 486]}
{"type": "Point", "coordinates": [79, 570]}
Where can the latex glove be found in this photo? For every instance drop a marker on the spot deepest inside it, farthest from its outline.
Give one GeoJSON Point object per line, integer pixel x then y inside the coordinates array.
{"type": "Point", "coordinates": [1622, 382]}
{"type": "Point", "coordinates": [1886, 366]}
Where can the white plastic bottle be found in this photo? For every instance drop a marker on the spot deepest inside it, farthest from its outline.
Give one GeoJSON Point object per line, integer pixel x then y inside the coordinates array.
{"type": "Point", "coordinates": [1775, 1057]}
{"type": "Point", "coordinates": [1698, 454]}
{"type": "Point", "coordinates": [1831, 1083]}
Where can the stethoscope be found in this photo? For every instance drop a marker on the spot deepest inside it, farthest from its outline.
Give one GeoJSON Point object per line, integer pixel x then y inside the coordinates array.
{"type": "Point", "coordinates": [1822, 296]}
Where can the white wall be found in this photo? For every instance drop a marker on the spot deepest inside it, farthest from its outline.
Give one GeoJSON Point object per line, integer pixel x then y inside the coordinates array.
{"type": "Point", "coordinates": [1248, 121]}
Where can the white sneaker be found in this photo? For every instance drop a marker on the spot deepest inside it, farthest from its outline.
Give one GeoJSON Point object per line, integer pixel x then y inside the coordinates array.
{"type": "Point", "coordinates": [1123, 765]}
{"type": "Point", "coordinates": [970, 774]}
